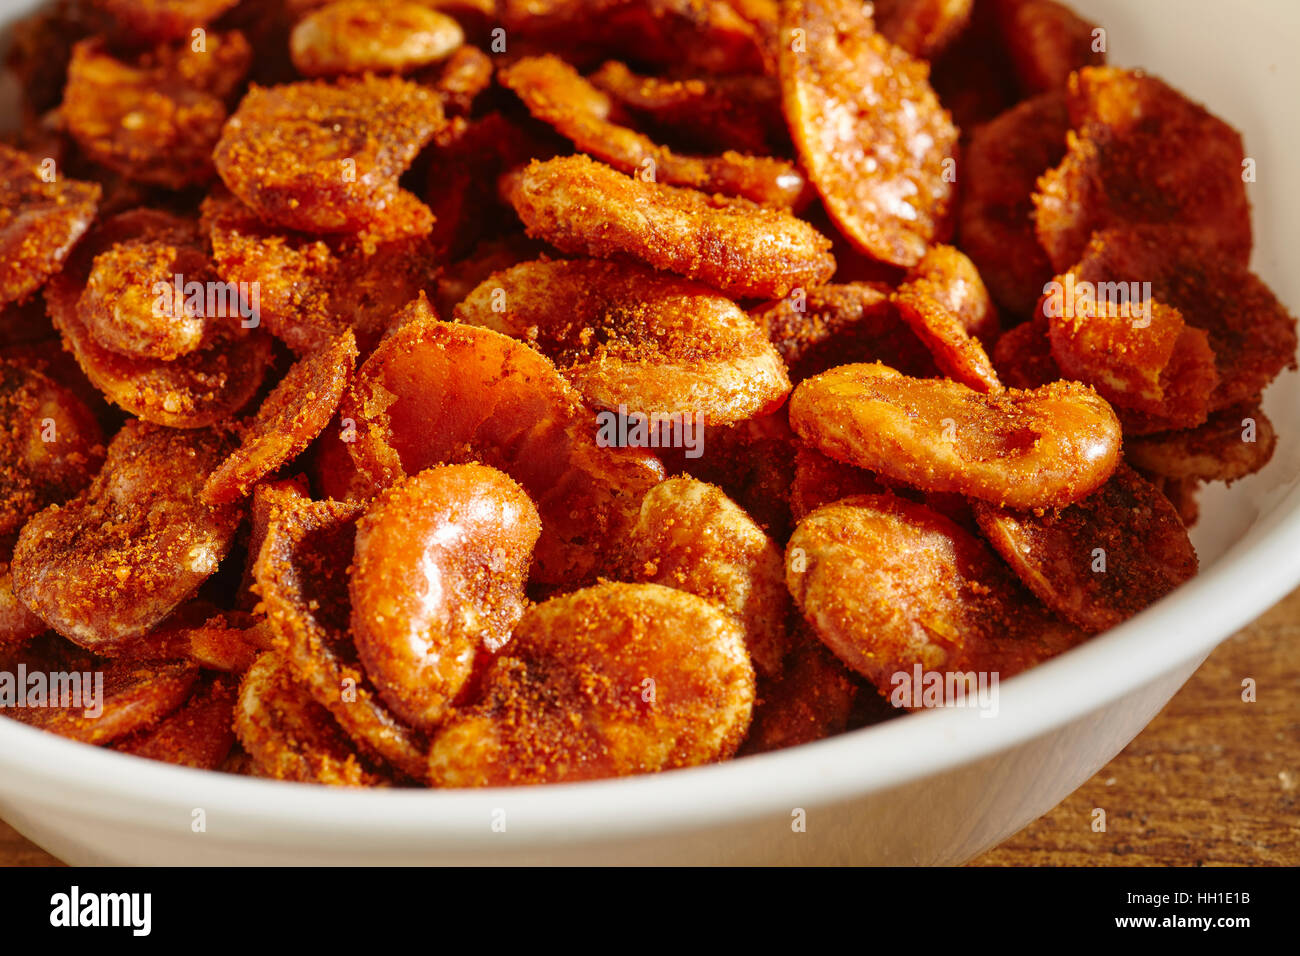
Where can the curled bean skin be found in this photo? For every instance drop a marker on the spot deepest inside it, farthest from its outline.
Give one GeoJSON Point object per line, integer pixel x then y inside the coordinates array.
{"type": "Point", "coordinates": [301, 571]}
{"type": "Point", "coordinates": [137, 695]}
{"type": "Point", "coordinates": [1235, 442]}
{"type": "Point", "coordinates": [608, 681]}
{"type": "Point", "coordinates": [377, 124]}
{"type": "Point", "coordinates": [441, 560]}
{"type": "Point", "coordinates": [356, 36]}
{"type": "Point", "coordinates": [291, 737]}
{"type": "Point", "coordinates": [708, 35]}
{"type": "Point", "coordinates": [1164, 369]}
{"type": "Point", "coordinates": [194, 390]}
{"type": "Point", "coordinates": [585, 208]}
{"type": "Point", "coordinates": [558, 95]}
{"type": "Point", "coordinates": [199, 735]}
{"type": "Point", "coordinates": [888, 584]}
{"type": "Point", "coordinates": [945, 303]}
{"type": "Point", "coordinates": [693, 537]}
{"type": "Point", "coordinates": [435, 393]}
{"type": "Point", "coordinates": [311, 290]}
{"type": "Point", "coordinates": [1144, 154]}
{"type": "Point", "coordinates": [1143, 546]}
{"type": "Point", "coordinates": [110, 565]}
{"type": "Point", "coordinates": [736, 112]}
{"type": "Point", "coordinates": [1043, 448]}
{"type": "Point", "coordinates": [626, 335]}
{"type": "Point", "coordinates": [1251, 333]}
{"type": "Point", "coordinates": [39, 222]}
{"type": "Point", "coordinates": [291, 416]}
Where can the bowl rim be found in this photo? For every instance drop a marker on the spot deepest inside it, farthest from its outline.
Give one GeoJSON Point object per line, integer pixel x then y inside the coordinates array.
{"type": "Point", "coordinates": [1249, 577]}
{"type": "Point", "coordinates": [1252, 574]}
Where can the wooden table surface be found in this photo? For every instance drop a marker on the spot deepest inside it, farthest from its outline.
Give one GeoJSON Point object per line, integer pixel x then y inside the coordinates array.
{"type": "Point", "coordinates": [1213, 781]}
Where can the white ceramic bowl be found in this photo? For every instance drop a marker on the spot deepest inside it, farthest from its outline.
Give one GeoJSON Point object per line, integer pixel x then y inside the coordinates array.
{"type": "Point", "coordinates": [935, 787]}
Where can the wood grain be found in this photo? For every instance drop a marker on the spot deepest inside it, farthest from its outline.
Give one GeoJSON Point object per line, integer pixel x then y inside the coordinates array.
{"type": "Point", "coordinates": [1213, 781]}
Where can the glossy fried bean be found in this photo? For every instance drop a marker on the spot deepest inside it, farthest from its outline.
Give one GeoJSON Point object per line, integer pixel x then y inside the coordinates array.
{"type": "Point", "coordinates": [557, 94]}
{"type": "Point", "coordinates": [1023, 355]}
{"type": "Point", "coordinates": [288, 420]}
{"type": "Point", "coordinates": [721, 112]}
{"type": "Point", "coordinates": [130, 304]}
{"type": "Point", "coordinates": [888, 585]}
{"type": "Point", "coordinates": [156, 21]}
{"type": "Point", "coordinates": [924, 28]}
{"type": "Point", "coordinates": [441, 561]}
{"type": "Point", "coordinates": [709, 35]}
{"type": "Point", "coordinates": [585, 208]}
{"type": "Point", "coordinates": [136, 695]}
{"type": "Point", "coordinates": [1047, 41]}
{"type": "Point", "coordinates": [1251, 333]}
{"type": "Point", "coordinates": [40, 221]}
{"type": "Point", "coordinates": [357, 36]}
{"type": "Point", "coordinates": [820, 480]}
{"type": "Point", "coordinates": [199, 735]}
{"type": "Point", "coordinates": [1234, 442]}
{"type": "Point", "coordinates": [625, 335]}
{"type": "Point", "coordinates": [946, 305]}
{"type": "Point", "coordinates": [812, 699]}
{"type": "Point", "coordinates": [108, 566]}
{"type": "Point", "coordinates": [1143, 154]}
{"type": "Point", "coordinates": [325, 158]}
{"type": "Point", "coordinates": [302, 575]}
{"type": "Point", "coordinates": [1002, 163]}
{"type": "Point", "coordinates": [868, 128]}
{"type": "Point", "coordinates": [155, 121]}
{"type": "Point", "coordinates": [1153, 363]}
{"type": "Point", "coordinates": [608, 681]}
{"type": "Point", "coordinates": [195, 390]}
{"type": "Point", "coordinates": [820, 328]}
{"type": "Point", "coordinates": [692, 537]}
{"type": "Point", "coordinates": [291, 737]}
{"type": "Point", "coordinates": [50, 445]}
{"type": "Point", "coordinates": [1101, 560]}
{"type": "Point", "coordinates": [436, 393]}
{"type": "Point", "coordinates": [311, 290]}
{"type": "Point", "coordinates": [1025, 449]}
